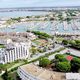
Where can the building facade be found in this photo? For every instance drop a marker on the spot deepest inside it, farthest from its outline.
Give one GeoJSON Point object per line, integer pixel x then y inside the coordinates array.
{"type": "Point", "coordinates": [25, 75]}
{"type": "Point", "coordinates": [14, 51]}
{"type": "Point", "coordinates": [33, 72]}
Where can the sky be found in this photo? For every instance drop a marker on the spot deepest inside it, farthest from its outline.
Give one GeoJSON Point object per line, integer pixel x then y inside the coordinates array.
{"type": "Point", "coordinates": [38, 3]}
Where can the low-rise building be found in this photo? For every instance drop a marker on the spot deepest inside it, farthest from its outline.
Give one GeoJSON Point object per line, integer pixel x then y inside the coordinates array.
{"type": "Point", "coordinates": [33, 72]}
{"type": "Point", "coordinates": [31, 36]}
{"type": "Point", "coordinates": [72, 76]}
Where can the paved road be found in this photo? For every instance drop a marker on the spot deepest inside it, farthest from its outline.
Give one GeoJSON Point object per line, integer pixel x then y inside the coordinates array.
{"type": "Point", "coordinates": [74, 52]}
{"type": "Point", "coordinates": [42, 54]}
{"type": "Point", "coordinates": [61, 52]}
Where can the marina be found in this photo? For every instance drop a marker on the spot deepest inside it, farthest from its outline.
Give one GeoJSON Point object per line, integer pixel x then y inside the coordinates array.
{"type": "Point", "coordinates": [39, 19]}
{"type": "Point", "coordinates": [50, 27]}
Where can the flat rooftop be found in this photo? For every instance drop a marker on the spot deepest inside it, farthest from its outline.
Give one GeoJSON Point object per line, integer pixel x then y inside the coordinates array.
{"type": "Point", "coordinates": [72, 76]}
{"type": "Point", "coordinates": [41, 73]}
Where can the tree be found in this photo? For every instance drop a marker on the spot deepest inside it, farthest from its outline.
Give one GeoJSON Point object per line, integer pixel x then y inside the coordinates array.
{"type": "Point", "coordinates": [27, 16]}
{"type": "Point", "coordinates": [65, 42]}
{"type": "Point", "coordinates": [63, 66]}
{"type": "Point", "coordinates": [42, 34]}
{"type": "Point", "coordinates": [63, 60]}
{"type": "Point", "coordinates": [1, 67]}
{"type": "Point", "coordinates": [77, 44]}
{"type": "Point", "coordinates": [59, 56]}
{"type": "Point", "coordinates": [43, 62]}
{"type": "Point", "coordinates": [51, 19]}
{"type": "Point", "coordinates": [5, 75]}
{"type": "Point", "coordinates": [75, 64]}
{"type": "Point", "coordinates": [33, 50]}
{"type": "Point", "coordinates": [72, 42]}
{"type": "Point", "coordinates": [77, 41]}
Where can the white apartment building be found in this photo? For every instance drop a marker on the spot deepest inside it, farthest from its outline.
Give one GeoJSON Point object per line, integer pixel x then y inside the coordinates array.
{"type": "Point", "coordinates": [14, 51]}
{"type": "Point", "coordinates": [33, 72]}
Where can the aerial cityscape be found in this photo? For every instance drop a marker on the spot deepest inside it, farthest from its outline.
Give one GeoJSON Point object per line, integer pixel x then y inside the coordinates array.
{"type": "Point", "coordinates": [39, 40]}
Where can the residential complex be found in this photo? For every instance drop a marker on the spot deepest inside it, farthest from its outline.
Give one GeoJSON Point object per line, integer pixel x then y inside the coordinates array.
{"type": "Point", "coordinates": [13, 51]}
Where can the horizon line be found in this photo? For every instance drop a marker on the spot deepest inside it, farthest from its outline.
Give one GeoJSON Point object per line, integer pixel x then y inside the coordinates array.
{"type": "Point", "coordinates": [42, 7]}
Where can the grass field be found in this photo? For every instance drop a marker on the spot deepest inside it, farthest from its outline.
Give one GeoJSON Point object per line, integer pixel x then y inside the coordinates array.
{"type": "Point", "coordinates": [9, 65]}
{"type": "Point", "coordinates": [41, 42]}
{"type": "Point", "coordinates": [1, 78]}
{"type": "Point", "coordinates": [2, 46]}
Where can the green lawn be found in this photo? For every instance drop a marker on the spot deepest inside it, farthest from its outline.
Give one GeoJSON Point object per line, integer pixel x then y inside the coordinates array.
{"type": "Point", "coordinates": [9, 65]}
{"type": "Point", "coordinates": [40, 42]}
{"type": "Point", "coordinates": [36, 42]}
{"type": "Point", "coordinates": [13, 75]}
{"type": "Point", "coordinates": [1, 78]}
{"type": "Point", "coordinates": [11, 68]}
{"type": "Point", "coordinates": [2, 46]}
